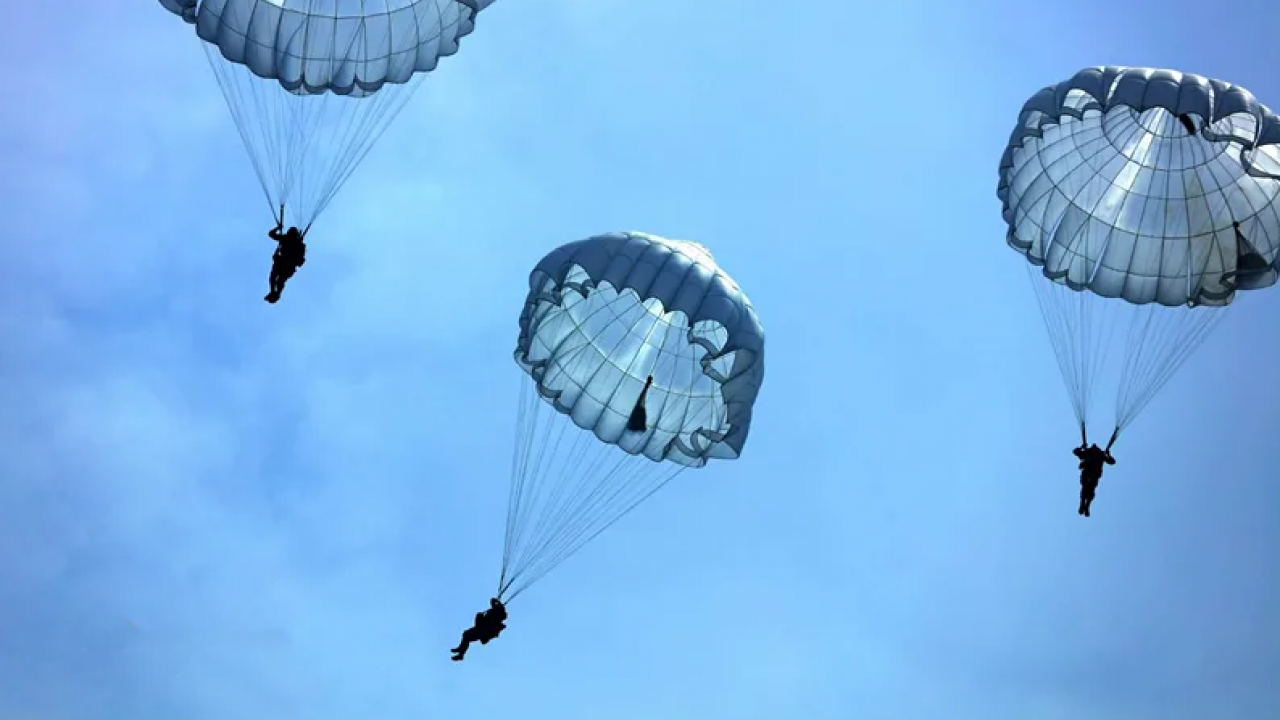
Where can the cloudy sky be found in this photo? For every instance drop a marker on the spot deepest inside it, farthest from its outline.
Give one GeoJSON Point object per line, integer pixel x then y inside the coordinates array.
{"type": "Point", "coordinates": [213, 508]}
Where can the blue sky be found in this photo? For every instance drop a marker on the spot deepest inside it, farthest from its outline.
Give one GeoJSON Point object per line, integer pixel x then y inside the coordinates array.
{"type": "Point", "coordinates": [212, 508]}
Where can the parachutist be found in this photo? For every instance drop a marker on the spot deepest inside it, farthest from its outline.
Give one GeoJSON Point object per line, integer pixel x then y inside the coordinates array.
{"type": "Point", "coordinates": [489, 625]}
{"type": "Point", "coordinates": [1092, 459]}
{"type": "Point", "coordinates": [639, 420]}
{"type": "Point", "coordinates": [1187, 123]}
{"type": "Point", "coordinates": [290, 254]}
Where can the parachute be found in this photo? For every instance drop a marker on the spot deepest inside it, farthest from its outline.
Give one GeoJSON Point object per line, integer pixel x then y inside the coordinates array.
{"type": "Point", "coordinates": [312, 85]}
{"type": "Point", "coordinates": [1145, 200]}
{"type": "Point", "coordinates": [614, 323]}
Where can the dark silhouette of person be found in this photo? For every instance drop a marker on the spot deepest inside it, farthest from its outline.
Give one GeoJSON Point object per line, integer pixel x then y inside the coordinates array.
{"type": "Point", "coordinates": [639, 420]}
{"type": "Point", "coordinates": [1092, 460]}
{"type": "Point", "coordinates": [290, 254]}
{"type": "Point", "coordinates": [489, 625]}
{"type": "Point", "coordinates": [1187, 123]}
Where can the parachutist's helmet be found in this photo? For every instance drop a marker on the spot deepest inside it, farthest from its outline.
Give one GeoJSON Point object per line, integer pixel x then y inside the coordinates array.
{"type": "Point", "coordinates": [495, 602]}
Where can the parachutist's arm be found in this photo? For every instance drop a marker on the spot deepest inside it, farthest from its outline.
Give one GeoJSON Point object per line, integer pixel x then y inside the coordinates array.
{"type": "Point", "coordinates": [275, 234]}
{"type": "Point", "coordinates": [302, 254]}
{"type": "Point", "coordinates": [1109, 459]}
{"type": "Point", "coordinates": [1078, 452]}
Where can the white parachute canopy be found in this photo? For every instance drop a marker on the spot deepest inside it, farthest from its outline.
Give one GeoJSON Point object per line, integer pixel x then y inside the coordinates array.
{"type": "Point", "coordinates": [1143, 201]}
{"type": "Point", "coordinates": [602, 317]}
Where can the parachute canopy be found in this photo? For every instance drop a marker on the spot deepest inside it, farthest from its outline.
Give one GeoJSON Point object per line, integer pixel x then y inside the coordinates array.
{"type": "Point", "coordinates": [603, 315]}
{"type": "Point", "coordinates": [1146, 196]}
{"type": "Point", "coordinates": [312, 85]}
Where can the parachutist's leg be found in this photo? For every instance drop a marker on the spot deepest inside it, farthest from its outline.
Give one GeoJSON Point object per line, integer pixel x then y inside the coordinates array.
{"type": "Point", "coordinates": [280, 275]}
{"type": "Point", "coordinates": [1087, 489]}
{"type": "Point", "coordinates": [468, 636]}
{"type": "Point", "coordinates": [461, 651]}
{"type": "Point", "coordinates": [1086, 496]}
{"type": "Point", "coordinates": [273, 282]}
{"type": "Point", "coordinates": [282, 279]}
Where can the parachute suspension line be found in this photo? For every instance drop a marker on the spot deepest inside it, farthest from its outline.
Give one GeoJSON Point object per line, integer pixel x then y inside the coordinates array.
{"type": "Point", "coordinates": [576, 495]}
{"type": "Point", "coordinates": [1080, 339]}
{"type": "Point", "coordinates": [574, 476]}
{"type": "Point", "coordinates": [305, 147]}
{"type": "Point", "coordinates": [532, 404]}
{"type": "Point", "coordinates": [522, 481]}
{"type": "Point", "coordinates": [582, 533]}
{"type": "Point", "coordinates": [1115, 435]}
{"type": "Point", "coordinates": [235, 101]}
{"type": "Point", "coordinates": [374, 124]}
{"type": "Point", "coordinates": [1065, 351]}
{"type": "Point", "coordinates": [1160, 341]}
{"type": "Point", "coordinates": [519, 453]}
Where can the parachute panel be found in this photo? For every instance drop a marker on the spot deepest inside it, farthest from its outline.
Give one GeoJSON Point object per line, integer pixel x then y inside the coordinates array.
{"type": "Point", "coordinates": [680, 282]}
{"type": "Point", "coordinates": [1111, 144]}
{"type": "Point", "coordinates": [340, 46]}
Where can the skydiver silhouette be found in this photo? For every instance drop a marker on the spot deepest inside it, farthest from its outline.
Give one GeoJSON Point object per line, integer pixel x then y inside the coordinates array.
{"type": "Point", "coordinates": [290, 254]}
{"type": "Point", "coordinates": [1092, 459]}
{"type": "Point", "coordinates": [639, 420]}
{"type": "Point", "coordinates": [489, 625]}
{"type": "Point", "coordinates": [1187, 123]}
